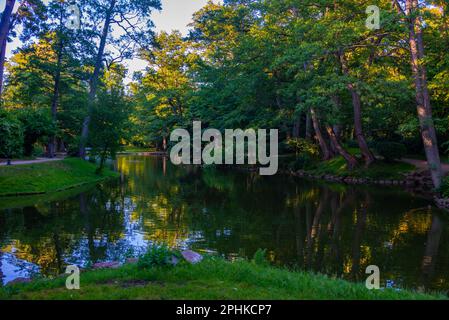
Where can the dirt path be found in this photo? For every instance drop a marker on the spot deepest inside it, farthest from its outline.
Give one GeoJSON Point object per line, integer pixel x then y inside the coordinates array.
{"type": "Point", "coordinates": [38, 160]}
{"type": "Point", "coordinates": [422, 165]}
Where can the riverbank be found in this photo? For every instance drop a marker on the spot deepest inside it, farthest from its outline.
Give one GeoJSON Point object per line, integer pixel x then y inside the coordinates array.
{"type": "Point", "coordinates": [211, 279]}
{"type": "Point", "coordinates": [379, 172]}
{"type": "Point", "coordinates": [48, 177]}
{"type": "Point", "coordinates": [410, 174]}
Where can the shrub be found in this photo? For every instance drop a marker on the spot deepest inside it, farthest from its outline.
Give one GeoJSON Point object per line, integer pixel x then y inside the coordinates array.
{"type": "Point", "coordinates": [156, 256]}
{"type": "Point", "coordinates": [303, 146]}
{"type": "Point", "coordinates": [11, 136]}
{"type": "Point", "coordinates": [38, 126]}
{"type": "Point", "coordinates": [260, 258]}
{"type": "Point", "coordinates": [391, 150]}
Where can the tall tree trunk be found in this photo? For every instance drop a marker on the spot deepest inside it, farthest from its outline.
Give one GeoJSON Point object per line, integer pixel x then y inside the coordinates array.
{"type": "Point", "coordinates": [95, 79]}
{"type": "Point", "coordinates": [358, 127]}
{"type": "Point", "coordinates": [308, 126]}
{"type": "Point", "coordinates": [297, 127]}
{"type": "Point", "coordinates": [350, 160]}
{"type": "Point", "coordinates": [322, 142]}
{"type": "Point", "coordinates": [4, 31]}
{"type": "Point", "coordinates": [54, 102]}
{"type": "Point", "coordinates": [424, 107]}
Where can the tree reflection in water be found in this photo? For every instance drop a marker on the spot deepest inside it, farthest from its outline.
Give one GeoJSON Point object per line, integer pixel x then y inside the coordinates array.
{"type": "Point", "coordinates": [329, 228]}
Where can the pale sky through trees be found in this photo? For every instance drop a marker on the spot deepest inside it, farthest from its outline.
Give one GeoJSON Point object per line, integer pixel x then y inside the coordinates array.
{"type": "Point", "coordinates": [175, 15]}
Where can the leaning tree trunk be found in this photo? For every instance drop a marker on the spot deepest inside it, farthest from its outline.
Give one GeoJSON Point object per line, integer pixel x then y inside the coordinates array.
{"type": "Point", "coordinates": [319, 135]}
{"type": "Point", "coordinates": [94, 80]}
{"type": "Point", "coordinates": [358, 127]}
{"type": "Point", "coordinates": [424, 108]}
{"type": "Point", "coordinates": [4, 31]}
{"type": "Point", "coordinates": [350, 160]}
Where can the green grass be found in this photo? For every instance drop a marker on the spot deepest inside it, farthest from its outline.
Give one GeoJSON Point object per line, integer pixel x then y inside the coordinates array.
{"type": "Point", "coordinates": [378, 170]}
{"type": "Point", "coordinates": [212, 279]}
{"type": "Point", "coordinates": [48, 177]}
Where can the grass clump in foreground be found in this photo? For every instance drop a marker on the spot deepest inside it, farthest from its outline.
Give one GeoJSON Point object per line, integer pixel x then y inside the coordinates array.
{"type": "Point", "coordinates": [49, 177]}
{"type": "Point", "coordinates": [212, 279]}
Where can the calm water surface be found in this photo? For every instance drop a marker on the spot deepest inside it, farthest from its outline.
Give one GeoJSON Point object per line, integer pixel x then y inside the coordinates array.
{"type": "Point", "coordinates": [333, 229]}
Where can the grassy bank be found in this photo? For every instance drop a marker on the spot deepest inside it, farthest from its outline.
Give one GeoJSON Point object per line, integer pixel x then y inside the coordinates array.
{"type": "Point", "coordinates": [378, 170]}
{"type": "Point", "coordinates": [213, 279]}
{"type": "Point", "coordinates": [48, 177]}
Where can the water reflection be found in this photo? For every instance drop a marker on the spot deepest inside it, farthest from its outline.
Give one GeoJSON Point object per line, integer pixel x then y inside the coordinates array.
{"type": "Point", "coordinates": [332, 229]}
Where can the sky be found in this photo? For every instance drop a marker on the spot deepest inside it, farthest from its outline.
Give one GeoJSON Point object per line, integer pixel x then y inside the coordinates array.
{"type": "Point", "coordinates": [175, 15]}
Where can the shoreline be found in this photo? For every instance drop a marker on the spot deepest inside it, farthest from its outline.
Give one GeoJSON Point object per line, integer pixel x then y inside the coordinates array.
{"type": "Point", "coordinates": [49, 177]}
{"type": "Point", "coordinates": [212, 278]}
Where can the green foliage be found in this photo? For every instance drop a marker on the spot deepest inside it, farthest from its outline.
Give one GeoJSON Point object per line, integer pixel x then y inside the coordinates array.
{"type": "Point", "coordinates": [11, 136]}
{"type": "Point", "coordinates": [158, 255]}
{"type": "Point", "coordinates": [303, 146]}
{"type": "Point", "coordinates": [391, 150]}
{"type": "Point", "coordinates": [260, 258]}
{"type": "Point", "coordinates": [109, 121]}
{"type": "Point", "coordinates": [38, 125]}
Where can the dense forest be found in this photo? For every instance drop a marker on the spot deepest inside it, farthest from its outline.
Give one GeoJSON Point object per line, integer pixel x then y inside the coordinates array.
{"type": "Point", "coordinates": [312, 69]}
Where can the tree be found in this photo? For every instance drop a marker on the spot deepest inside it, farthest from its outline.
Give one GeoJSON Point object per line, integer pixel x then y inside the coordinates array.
{"type": "Point", "coordinates": [412, 13]}
{"type": "Point", "coordinates": [29, 14]}
{"type": "Point", "coordinates": [163, 94]}
{"type": "Point", "coordinates": [34, 72]}
{"type": "Point", "coordinates": [110, 116]}
{"type": "Point", "coordinates": [67, 53]}
{"type": "Point", "coordinates": [132, 17]}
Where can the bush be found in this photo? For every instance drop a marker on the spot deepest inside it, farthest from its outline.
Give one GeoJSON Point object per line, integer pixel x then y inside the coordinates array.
{"type": "Point", "coordinates": [11, 136]}
{"type": "Point", "coordinates": [38, 126]}
{"type": "Point", "coordinates": [391, 150]}
{"type": "Point", "coordinates": [260, 258]}
{"type": "Point", "coordinates": [303, 147]}
{"type": "Point", "coordinates": [156, 256]}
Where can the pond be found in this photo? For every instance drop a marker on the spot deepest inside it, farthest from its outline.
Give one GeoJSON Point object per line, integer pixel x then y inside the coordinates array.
{"type": "Point", "coordinates": [333, 229]}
